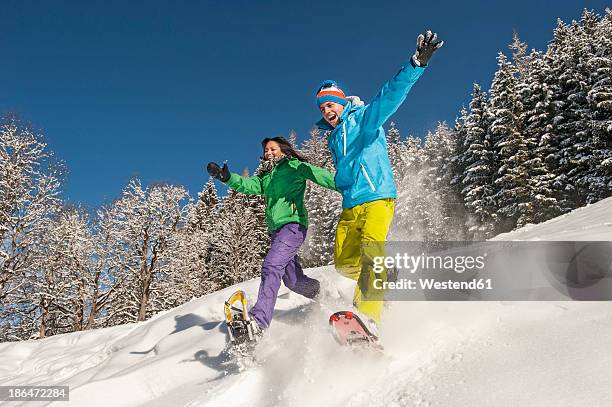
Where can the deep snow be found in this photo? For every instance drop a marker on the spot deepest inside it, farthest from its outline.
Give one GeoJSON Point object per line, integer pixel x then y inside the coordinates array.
{"type": "Point", "coordinates": [436, 353]}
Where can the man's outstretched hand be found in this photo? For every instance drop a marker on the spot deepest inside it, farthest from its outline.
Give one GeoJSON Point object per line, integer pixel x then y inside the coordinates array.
{"type": "Point", "coordinates": [222, 174]}
{"type": "Point", "coordinates": [427, 44]}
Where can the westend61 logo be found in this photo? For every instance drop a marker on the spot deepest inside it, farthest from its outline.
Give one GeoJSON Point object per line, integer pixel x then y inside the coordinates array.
{"type": "Point", "coordinates": [412, 264]}
{"type": "Point", "coordinates": [491, 270]}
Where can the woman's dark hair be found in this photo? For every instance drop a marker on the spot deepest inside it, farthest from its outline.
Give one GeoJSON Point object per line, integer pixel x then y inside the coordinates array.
{"type": "Point", "coordinates": [285, 147]}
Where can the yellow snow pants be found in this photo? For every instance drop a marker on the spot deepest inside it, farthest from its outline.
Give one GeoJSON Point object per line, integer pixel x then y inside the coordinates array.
{"type": "Point", "coordinates": [360, 237]}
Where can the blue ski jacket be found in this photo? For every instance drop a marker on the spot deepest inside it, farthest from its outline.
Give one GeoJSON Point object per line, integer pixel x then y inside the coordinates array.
{"type": "Point", "coordinates": [359, 146]}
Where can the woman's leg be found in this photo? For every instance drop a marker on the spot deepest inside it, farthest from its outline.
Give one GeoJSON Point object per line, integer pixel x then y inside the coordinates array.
{"type": "Point", "coordinates": [297, 281]}
{"type": "Point", "coordinates": [294, 277]}
{"type": "Point", "coordinates": [285, 244]}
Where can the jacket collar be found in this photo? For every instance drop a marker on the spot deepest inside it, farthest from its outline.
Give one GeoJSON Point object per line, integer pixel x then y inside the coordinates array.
{"type": "Point", "coordinates": [261, 171]}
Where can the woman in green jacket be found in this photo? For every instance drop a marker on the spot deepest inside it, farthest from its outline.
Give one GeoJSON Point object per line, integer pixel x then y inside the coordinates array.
{"type": "Point", "coordinates": [282, 181]}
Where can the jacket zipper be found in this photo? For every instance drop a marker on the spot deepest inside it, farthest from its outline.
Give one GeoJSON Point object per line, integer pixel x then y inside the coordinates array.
{"type": "Point", "coordinates": [367, 178]}
{"type": "Point", "coordinates": [344, 131]}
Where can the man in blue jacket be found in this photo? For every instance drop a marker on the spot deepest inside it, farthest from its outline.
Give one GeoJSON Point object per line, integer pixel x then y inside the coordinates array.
{"type": "Point", "coordinates": [363, 174]}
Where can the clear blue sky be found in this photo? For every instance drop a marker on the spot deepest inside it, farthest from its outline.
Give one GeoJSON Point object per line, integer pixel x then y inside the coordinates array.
{"type": "Point", "coordinates": [157, 89]}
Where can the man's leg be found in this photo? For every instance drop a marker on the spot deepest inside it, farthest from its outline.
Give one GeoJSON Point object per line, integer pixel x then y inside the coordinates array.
{"type": "Point", "coordinates": [284, 246]}
{"type": "Point", "coordinates": [347, 253]}
{"type": "Point", "coordinates": [376, 219]}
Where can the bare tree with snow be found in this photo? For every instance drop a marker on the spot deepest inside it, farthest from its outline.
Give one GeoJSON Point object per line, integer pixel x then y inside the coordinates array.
{"type": "Point", "coordinates": [30, 182]}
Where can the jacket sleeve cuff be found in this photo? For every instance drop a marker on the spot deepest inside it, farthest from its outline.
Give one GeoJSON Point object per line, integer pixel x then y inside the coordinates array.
{"type": "Point", "coordinates": [415, 63]}
{"type": "Point", "coordinates": [233, 180]}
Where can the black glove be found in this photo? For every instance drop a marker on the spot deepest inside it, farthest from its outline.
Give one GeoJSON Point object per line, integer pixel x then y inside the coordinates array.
{"type": "Point", "coordinates": [426, 45]}
{"type": "Point", "coordinates": [222, 174]}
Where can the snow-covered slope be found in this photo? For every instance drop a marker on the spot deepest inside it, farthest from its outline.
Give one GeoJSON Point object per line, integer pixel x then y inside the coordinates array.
{"type": "Point", "coordinates": [589, 223]}
{"type": "Point", "coordinates": [436, 353]}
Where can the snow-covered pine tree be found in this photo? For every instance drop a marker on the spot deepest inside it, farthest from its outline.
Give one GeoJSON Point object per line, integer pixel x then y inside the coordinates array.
{"type": "Point", "coordinates": [239, 241]}
{"type": "Point", "coordinates": [480, 161]}
{"type": "Point", "coordinates": [457, 168]}
{"type": "Point", "coordinates": [438, 150]}
{"type": "Point", "coordinates": [461, 147]}
{"type": "Point", "coordinates": [520, 58]}
{"type": "Point", "coordinates": [30, 181]}
{"type": "Point", "coordinates": [552, 59]}
{"type": "Point", "coordinates": [412, 205]}
{"type": "Point", "coordinates": [512, 197]}
{"type": "Point", "coordinates": [202, 214]}
{"type": "Point", "coordinates": [190, 266]}
{"type": "Point", "coordinates": [293, 138]}
{"type": "Point", "coordinates": [537, 122]}
{"type": "Point", "coordinates": [323, 206]}
{"type": "Point", "coordinates": [397, 152]}
{"type": "Point", "coordinates": [567, 57]}
{"type": "Point", "coordinates": [598, 177]}
{"type": "Point", "coordinates": [584, 47]}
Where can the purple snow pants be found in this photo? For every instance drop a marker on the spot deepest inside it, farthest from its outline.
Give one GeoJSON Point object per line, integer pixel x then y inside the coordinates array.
{"type": "Point", "coordinates": [281, 263]}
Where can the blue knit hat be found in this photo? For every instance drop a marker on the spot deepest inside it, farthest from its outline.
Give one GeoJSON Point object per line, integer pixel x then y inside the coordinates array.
{"type": "Point", "coordinates": [330, 92]}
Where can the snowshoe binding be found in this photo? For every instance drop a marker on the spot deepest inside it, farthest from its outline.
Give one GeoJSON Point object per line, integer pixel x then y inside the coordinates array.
{"type": "Point", "coordinates": [244, 332]}
{"type": "Point", "coordinates": [350, 330]}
